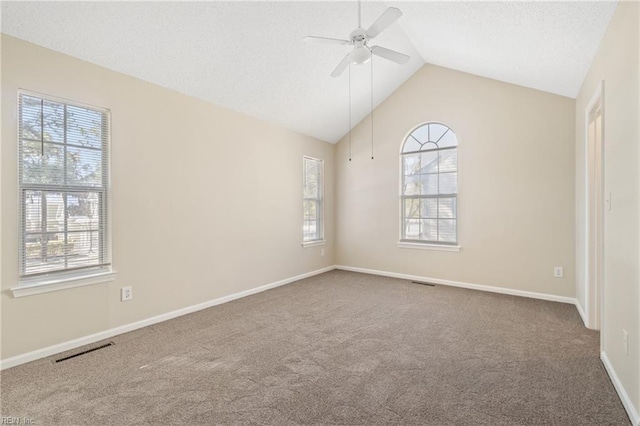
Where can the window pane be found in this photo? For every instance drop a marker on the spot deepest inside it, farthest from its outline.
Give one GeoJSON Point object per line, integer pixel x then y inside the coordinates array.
{"type": "Point", "coordinates": [311, 189]}
{"type": "Point", "coordinates": [447, 208]}
{"type": "Point", "coordinates": [411, 145]}
{"type": "Point", "coordinates": [429, 208]}
{"type": "Point", "coordinates": [411, 229]}
{"type": "Point", "coordinates": [412, 185]}
{"type": "Point", "coordinates": [411, 164]}
{"type": "Point", "coordinates": [447, 230]}
{"type": "Point", "coordinates": [311, 170]}
{"type": "Point", "coordinates": [448, 140]}
{"type": "Point", "coordinates": [412, 208]}
{"type": "Point", "coordinates": [54, 212]}
{"type": "Point", "coordinates": [53, 121]}
{"type": "Point", "coordinates": [448, 183]}
{"type": "Point", "coordinates": [312, 183]}
{"type": "Point", "coordinates": [83, 211]}
{"type": "Point", "coordinates": [429, 229]}
{"type": "Point", "coordinates": [448, 160]}
{"type": "Point", "coordinates": [83, 249]}
{"type": "Point", "coordinates": [84, 127]}
{"type": "Point", "coordinates": [44, 253]}
{"type": "Point", "coordinates": [429, 162]}
{"type": "Point", "coordinates": [436, 131]}
{"type": "Point", "coordinates": [84, 166]}
{"type": "Point", "coordinates": [429, 184]}
{"type": "Point", "coordinates": [421, 134]}
{"type": "Point", "coordinates": [43, 167]}
{"type": "Point", "coordinates": [33, 211]}
{"type": "Point", "coordinates": [30, 114]}
{"type": "Point", "coordinates": [33, 248]}
{"type": "Point", "coordinates": [310, 230]}
{"type": "Point", "coordinates": [310, 209]}
{"type": "Point", "coordinates": [429, 146]}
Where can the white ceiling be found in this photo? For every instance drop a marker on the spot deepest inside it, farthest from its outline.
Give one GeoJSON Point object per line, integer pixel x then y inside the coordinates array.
{"type": "Point", "coordinates": [250, 57]}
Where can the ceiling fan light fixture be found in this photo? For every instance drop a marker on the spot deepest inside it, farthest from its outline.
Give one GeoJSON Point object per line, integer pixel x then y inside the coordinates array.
{"type": "Point", "coordinates": [360, 55]}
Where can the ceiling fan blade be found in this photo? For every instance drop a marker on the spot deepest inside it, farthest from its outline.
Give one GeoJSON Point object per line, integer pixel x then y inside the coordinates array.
{"type": "Point", "coordinates": [392, 55]}
{"type": "Point", "coordinates": [326, 40]}
{"type": "Point", "coordinates": [387, 18]}
{"type": "Point", "coordinates": [341, 66]}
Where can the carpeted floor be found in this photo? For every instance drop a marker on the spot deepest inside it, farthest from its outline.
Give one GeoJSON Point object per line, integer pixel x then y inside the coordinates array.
{"type": "Point", "coordinates": [338, 348]}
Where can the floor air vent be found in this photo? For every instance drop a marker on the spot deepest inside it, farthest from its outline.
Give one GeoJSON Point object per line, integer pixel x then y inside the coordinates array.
{"type": "Point", "coordinates": [85, 352]}
{"type": "Point", "coordinates": [423, 283]}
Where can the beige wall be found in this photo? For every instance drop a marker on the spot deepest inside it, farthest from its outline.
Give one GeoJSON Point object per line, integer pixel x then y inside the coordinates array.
{"type": "Point", "coordinates": [617, 63]}
{"type": "Point", "coordinates": [516, 184]}
{"type": "Point", "coordinates": [206, 201]}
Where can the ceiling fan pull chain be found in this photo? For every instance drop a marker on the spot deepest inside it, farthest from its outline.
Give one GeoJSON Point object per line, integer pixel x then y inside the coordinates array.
{"type": "Point", "coordinates": [349, 110]}
{"type": "Point", "coordinates": [372, 107]}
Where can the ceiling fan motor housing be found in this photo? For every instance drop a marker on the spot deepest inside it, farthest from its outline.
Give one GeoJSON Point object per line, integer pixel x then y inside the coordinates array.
{"type": "Point", "coordinates": [358, 36]}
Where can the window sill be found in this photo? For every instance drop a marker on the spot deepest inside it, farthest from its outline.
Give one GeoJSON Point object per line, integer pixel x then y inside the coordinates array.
{"type": "Point", "coordinates": [426, 246]}
{"type": "Point", "coordinates": [314, 243]}
{"type": "Point", "coordinates": [46, 285]}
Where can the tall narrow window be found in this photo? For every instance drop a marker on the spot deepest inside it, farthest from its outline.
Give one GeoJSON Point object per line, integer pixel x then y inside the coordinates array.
{"type": "Point", "coordinates": [313, 183]}
{"type": "Point", "coordinates": [64, 187]}
{"type": "Point", "coordinates": [429, 185]}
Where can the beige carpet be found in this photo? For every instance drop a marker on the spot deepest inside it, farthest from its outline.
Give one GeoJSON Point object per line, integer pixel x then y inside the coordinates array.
{"type": "Point", "coordinates": [338, 348]}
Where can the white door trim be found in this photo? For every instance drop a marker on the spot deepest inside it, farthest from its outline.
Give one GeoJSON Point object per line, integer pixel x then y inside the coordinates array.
{"type": "Point", "coordinates": [594, 306]}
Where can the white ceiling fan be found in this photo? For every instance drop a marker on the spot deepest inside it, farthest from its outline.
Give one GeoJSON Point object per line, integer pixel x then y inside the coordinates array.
{"type": "Point", "coordinates": [359, 39]}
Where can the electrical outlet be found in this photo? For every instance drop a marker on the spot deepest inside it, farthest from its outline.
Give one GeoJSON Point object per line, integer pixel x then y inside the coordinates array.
{"type": "Point", "coordinates": [625, 341]}
{"type": "Point", "coordinates": [558, 271]}
{"type": "Point", "coordinates": [321, 252]}
{"type": "Point", "coordinates": [126, 293]}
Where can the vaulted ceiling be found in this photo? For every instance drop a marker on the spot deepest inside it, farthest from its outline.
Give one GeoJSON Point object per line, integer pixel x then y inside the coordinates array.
{"type": "Point", "coordinates": [250, 56]}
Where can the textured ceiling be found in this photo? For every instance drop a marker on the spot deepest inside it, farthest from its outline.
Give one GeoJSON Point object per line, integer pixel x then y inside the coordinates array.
{"type": "Point", "coordinates": [250, 57]}
{"type": "Point", "coordinates": [545, 45]}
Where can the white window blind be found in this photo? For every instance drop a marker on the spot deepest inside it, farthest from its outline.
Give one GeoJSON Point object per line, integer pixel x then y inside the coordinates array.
{"type": "Point", "coordinates": [429, 185]}
{"type": "Point", "coordinates": [313, 221]}
{"type": "Point", "coordinates": [64, 186]}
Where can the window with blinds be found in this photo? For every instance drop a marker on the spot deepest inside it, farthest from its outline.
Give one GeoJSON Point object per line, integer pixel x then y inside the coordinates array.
{"type": "Point", "coordinates": [313, 221]}
{"type": "Point", "coordinates": [64, 186]}
{"type": "Point", "coordinates": [429, 185]}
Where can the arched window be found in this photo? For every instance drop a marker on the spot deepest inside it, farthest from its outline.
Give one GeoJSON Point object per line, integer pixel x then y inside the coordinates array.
{"type": "Point", "coordinates": [429, 190]}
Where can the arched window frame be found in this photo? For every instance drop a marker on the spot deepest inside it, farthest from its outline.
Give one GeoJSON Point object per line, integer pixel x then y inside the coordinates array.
{"type": "Point", "coordinates": [429, 188]}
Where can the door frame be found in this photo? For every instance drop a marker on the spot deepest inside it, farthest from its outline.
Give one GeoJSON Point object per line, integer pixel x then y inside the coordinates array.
{"type": "Point", "coordinates": [594, 285]}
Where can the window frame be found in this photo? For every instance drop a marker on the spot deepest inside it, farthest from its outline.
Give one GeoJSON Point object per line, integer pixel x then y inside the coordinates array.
{"type": "Point", "coordinates": [427, 244]}
{"type": "Point", "coordinates": [46, 281]}
{"type": "Point", "coordinates": [320, 200]}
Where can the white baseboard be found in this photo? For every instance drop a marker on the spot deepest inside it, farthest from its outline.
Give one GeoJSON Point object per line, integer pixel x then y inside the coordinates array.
{"type": "Point", "coordinates": [92, 338]}
{"type": "Point", "coordinates": [622, 393]}
{"type": "Point", "coordinates": [501, 290]}
{"type": "Point", "coordinates": [582, 314]}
